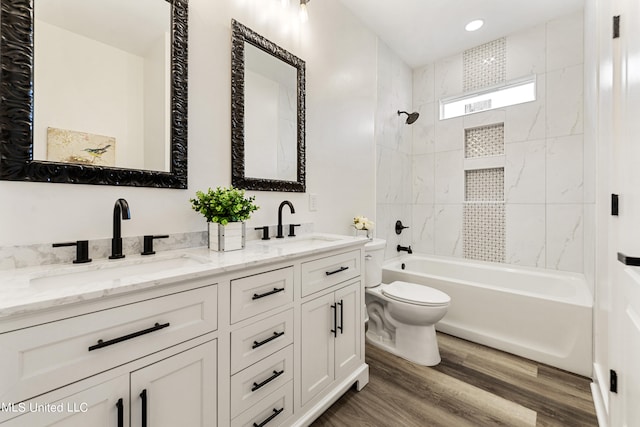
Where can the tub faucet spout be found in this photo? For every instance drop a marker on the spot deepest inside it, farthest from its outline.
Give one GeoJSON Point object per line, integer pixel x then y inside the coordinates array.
{"type": "Point", "coordinates": [407, 249]}
{"type": "Point", "coordinates": [121, 209]}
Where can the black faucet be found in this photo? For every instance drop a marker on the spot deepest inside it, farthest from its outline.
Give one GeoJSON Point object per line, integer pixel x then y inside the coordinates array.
{"type": "Point", "coordinates": [121, 209]}
{"type": "Point", "coordinates": [288, 203]}
{"type": "Point", "coordinates": [407, 249]}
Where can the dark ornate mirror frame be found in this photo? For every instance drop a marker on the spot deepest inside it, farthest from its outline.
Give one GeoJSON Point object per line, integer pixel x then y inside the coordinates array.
{"type": "Point", "coordinates": [16, 110]}
{"type": "Point", "coordinates": [241, 34]}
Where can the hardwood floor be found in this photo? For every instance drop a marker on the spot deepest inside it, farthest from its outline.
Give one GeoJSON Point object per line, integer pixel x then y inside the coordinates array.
{"type": "Point", "coordinates": [473, 386]}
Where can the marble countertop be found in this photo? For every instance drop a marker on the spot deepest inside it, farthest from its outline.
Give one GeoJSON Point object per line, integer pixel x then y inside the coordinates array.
{"type": "Point", "coordinates": [28, 290]}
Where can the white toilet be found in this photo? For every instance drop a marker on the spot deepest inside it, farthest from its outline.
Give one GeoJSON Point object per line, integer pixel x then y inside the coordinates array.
{"type": "Point", "coordinates": [402, 315]}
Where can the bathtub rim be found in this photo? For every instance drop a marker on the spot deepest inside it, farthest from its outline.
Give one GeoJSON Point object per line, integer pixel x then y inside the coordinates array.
{"type": "Point", "coordinates": [584, 296]}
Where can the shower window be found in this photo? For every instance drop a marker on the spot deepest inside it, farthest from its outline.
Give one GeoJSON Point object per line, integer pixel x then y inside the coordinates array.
{"type": "Point", "coordinates": [511, 93]}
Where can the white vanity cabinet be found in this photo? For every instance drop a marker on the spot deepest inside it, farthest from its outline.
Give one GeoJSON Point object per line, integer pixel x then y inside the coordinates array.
{"type": "Point", "coordinates": [87, 365]}
{"type": "Point", "coordinates": [296, 338]}
{"type": "Point", "coordinates": [331, 330]}
{"type": "Point", "coordinates": [270, 336]}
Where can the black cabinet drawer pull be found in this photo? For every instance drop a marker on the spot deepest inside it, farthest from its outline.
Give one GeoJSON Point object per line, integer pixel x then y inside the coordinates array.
{"type": "Point", "coordinates": [341, 316]}
{"type": "Point", "coordinates": [275, 375]}
{"type": "Point", "coordinates": [266, 294]}
{"type": "Point", "coordinates": [120, 406]}
{"type": "Point", "coordinates": [143, 396]}
{"type": "Point", "coordinates": [329, 273]}
{"type": "Point", "coordinates": [628, 260]}
{"type": "Point", "coordinates": [276, 412]}
{"type": "Point", "coordinates": [335, 320]}
{"type": "Point", "coordinates": [102, 343]}
{"type": "Point", "coordinates": [275, 335]}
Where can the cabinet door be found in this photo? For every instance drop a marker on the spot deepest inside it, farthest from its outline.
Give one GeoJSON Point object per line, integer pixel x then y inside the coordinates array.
{"type": "Point", "coordinates": [95, 407]}
{"type": "Point", "coordinates": [179, 390]}
{"type": "Point", "coordinates": [347, 352]}
{"type": "Point", "coordinates": [317, 345]}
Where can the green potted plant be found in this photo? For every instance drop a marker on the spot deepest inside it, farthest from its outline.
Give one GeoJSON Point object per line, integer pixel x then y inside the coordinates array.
{"type": "Point", "coordinates": [225, 209]}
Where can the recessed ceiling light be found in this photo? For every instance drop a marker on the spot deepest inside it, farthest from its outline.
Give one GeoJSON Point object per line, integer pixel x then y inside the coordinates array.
{"type": "Point", "coordinates": [474, 25]}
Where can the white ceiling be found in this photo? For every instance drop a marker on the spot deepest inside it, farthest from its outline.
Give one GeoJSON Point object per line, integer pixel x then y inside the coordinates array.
{"type": "Point", "coordinates": [422, 31]}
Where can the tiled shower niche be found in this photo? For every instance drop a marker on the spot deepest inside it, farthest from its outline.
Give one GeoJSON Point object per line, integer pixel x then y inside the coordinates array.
{"type": "Point", "coordinates": [484, 222]}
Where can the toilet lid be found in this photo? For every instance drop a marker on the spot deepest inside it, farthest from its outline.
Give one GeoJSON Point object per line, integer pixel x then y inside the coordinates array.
{"type": "Point", "coordinates": [415, 294]}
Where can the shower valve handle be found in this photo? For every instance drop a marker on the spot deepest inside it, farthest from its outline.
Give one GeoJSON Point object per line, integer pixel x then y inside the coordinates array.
{"type": "Point", "coordinates": [400, 227]}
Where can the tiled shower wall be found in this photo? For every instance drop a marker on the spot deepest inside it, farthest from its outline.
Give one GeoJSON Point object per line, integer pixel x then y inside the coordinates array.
{"type": "Point", "coordinates": [548, 170]}
{"type": "Point", "coordinates": [393, 150]}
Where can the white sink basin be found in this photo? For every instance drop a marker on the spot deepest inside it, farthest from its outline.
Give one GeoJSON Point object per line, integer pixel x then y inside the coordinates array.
{"type": "Point", "coordinates": [302, 242]}
{"type": "Point", "coordinates": [112, 270]}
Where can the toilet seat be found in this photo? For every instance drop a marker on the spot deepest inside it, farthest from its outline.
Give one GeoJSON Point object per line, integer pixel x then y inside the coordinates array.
{"type": "Point", "coordinates": [412, 293]}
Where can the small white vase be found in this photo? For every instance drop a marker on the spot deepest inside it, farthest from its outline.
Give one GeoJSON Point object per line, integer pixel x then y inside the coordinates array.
{"type": "Point", "coordinates": [224, 238]}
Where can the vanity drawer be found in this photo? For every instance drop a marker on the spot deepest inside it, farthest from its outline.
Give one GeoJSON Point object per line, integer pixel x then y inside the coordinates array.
{"type": "Point", "coordinates": [51, 355]}
{"type": "Point", "coordinates": [272, 411]}
{"type": "Point", "coordinates": [258, 381]}
{"type": "Point", "coordinates": [325, 272]}
{"type": "Point", "coordinates": [261, 292]}
{"type": "Point", "coordinates": [260, 339]}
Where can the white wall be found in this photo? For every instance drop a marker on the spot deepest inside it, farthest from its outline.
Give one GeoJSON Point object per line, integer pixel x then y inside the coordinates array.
{"type": "Point", "coordinates": [340, 55]}
{"type": "Point", "coordinates": [549, 171]}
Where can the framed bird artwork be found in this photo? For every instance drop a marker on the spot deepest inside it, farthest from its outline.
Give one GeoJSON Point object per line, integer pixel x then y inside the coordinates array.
{"type": "Point", "coordinates": [70, 146]}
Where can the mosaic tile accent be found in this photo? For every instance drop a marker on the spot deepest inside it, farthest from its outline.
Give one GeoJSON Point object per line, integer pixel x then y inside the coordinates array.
{"type": "Point", "coordinates": [483, 185]}
{"type": "Point", "coordinates": [484, 141]}
{"type": "Point", "coordinates": [483, 232]}
{"type": "Point", "coordinates": [484, 65]}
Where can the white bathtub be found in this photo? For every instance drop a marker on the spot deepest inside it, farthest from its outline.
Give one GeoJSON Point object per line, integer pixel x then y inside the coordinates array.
{"type": "Point", "coordinates": [542, 315]}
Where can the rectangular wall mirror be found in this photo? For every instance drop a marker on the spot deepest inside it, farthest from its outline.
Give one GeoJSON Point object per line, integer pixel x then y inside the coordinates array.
{"type": "Point", "coordinates": [267, 114]}
{"type": "Point", "coordinates": [94, 92]}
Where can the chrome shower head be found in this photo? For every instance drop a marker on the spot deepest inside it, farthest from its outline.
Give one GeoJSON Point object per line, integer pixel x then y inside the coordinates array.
{"type": "Point", "coordinates": [411, 117]}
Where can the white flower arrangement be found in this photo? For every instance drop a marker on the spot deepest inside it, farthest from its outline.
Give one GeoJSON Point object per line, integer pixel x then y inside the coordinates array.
{"type": "Point", "coordinates": [362, 223]}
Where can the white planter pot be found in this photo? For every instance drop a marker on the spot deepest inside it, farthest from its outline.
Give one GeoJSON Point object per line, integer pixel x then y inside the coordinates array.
{"type": "Point", "coordinates": [224, 238]}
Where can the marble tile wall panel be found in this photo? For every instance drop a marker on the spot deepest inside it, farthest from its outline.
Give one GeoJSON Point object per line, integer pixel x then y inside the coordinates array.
{"type": "Point", "coordinates": [565, 42]}
{"type": "Point", "coordinates": [526, 234]}
{"type": "Point", "coordinates": [525, 172]}
{"type": "Point", "coordinates": [448, 230]}
{"type": "Point", "coordinates": [423, 230]}
{"type": "Point", "coordinates": [528, 121]}
{"type": "Point", "coordinates": [526, 52]}
{"type": "Point", "coordinates": [565, 100]}
{"type": "Point", "coordinates": [449, 134]}
{"type": "Point", "coordinates": [449, 177]}
{"type": "Point", "coordinates": [448, 76]}
{"type": "Point", "coordinates": [424, 129]}
{"type": "Point", "coordinates": [394, 146]}
{"type": "Point", "coordinates": [565, 237]}
{"type": "Point", "coordinates": [564, 164]}
{"type": "Point", "coordinates": [423, 178]}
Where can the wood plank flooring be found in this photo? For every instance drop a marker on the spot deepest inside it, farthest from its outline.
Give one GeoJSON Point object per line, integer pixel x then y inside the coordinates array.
{"type": "Point", "coordinates": [473, 386]}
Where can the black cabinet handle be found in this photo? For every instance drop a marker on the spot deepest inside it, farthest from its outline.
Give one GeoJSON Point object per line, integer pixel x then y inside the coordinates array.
{"type": "Point", "coordinates": [275, 375]}
{"type": "Point", "coordinates": [341, 317]}
{"type": "Point", "coordinates": [329, 273]}
{"type": "Point", "coordinates": [102, 343]}
{"type": "Point", "coordinates": [120, 406]}
{"type": "Point", "coordinates": [628, 260]}
{"type": "Point", "coordinates": [276, 412]}
{"type": "Point", "coordinates": [266, 294]}
{"type": "Point", "coordinates": [275, 335]}
{"type": "Point", "coordinates": [143, 396]}
{"type": "Point", "coordinates": [335, 319]}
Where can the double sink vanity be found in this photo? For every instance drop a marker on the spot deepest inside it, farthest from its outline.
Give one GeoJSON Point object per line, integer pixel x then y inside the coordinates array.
{"type": "Point", "coordinates": [270, 335]}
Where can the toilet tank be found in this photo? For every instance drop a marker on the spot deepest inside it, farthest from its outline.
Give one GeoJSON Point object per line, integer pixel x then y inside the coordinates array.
{"type": "Point", "coordinates": [373, 259]}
